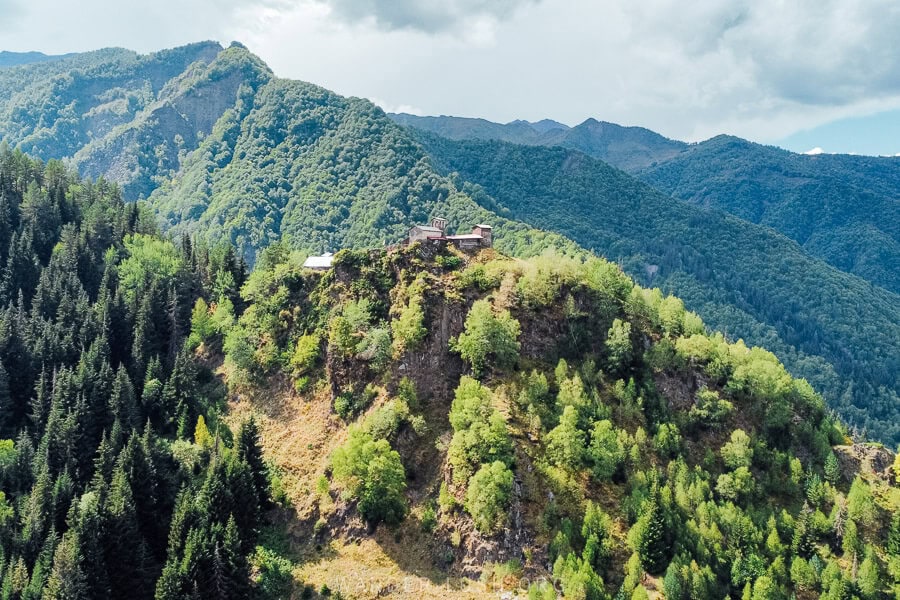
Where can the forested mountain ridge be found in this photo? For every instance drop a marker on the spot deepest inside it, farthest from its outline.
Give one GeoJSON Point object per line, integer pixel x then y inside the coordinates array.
{"type": "Point", "coordinates": [542, 425]}
{"type": "Point", "coordinates": [323, 171]}
{"type": "Point", "coordinates": [841, 208]}
{"type": "Point", "coordinates": [14, 59]}
{"type": "Point", "coordinates": [290, 160]}
{"type": "Point", "coordinates": [844, 209]}
{"type": "Point", "coordinates": [116, 113]}
{"type": "Point", "coordinates": [745, 280]}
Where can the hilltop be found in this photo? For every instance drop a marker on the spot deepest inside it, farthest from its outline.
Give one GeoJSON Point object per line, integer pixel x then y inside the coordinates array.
{"type": "Point", "coordinates": [438, 417]}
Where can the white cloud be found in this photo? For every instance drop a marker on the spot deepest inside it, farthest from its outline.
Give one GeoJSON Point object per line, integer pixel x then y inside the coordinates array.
{"type": "Point", "coordinates": [757, 68]}
{"type": "Point", "coordinates": [397, 108]}
{"type": "Point", "coordinates": [815, 151]}
{"type": "Point", "coordinates": [425, 15]}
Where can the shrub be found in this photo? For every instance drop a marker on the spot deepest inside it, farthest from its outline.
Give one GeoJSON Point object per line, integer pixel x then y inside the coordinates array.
{"type": "Point", "coordinates": [306, 352]}
{"type": "Point", "coordinates": [273, 573]}
{"type": "Point", "coordinates": [565, 443]}
{"type": "Point", "coordinates": [386, 421]}
{"type": "Point", "coordinates": [349, 403]}
{"type": "Point", "coordinates": [375, 347]}
{"type": "Point", "coordinates": [371, 472]}
{"type": "Point", "coordinates": [409, 329]}
{"type": "Point", "coordinates": [606, 451]}
{"type": "Point", "coordinates": [488, 335]}
{"type": "Point", "coordinates": [737, 452]}
{"type": "Point", "coordinates": [488, 497]}
{"type": "Point", "coordinates": [202, 326]}
{"type": "Point", "coordinates": [480, 433]}
{"type": "Point", "coordinates": [618, 346]}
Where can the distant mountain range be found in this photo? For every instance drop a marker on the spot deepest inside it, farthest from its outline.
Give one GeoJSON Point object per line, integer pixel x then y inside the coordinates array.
{"type": "Point", "coordinates": [841, 208]}
{"type": "Point", "coordinates": [223, 149]}
{"type": "Point", "coordinates": [13, 59]}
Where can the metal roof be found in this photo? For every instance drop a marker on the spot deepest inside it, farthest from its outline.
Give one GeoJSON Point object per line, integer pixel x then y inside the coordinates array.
{"type": "Point", "coordinates": [319, 262]}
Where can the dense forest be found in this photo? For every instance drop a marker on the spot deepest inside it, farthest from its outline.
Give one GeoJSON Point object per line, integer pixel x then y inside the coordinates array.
{"type": "Point", "coordinates": [117, 476]}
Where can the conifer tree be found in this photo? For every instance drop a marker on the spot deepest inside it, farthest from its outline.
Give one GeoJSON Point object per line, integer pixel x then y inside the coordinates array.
{"type": "Point", "coordinates": [67, 580]}
{"type": "Point", "coordinates": [249, 450]}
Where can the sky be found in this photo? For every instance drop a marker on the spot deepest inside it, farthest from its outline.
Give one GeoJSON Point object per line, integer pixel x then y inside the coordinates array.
{"type": "Point", "coordinates": [804, 74]}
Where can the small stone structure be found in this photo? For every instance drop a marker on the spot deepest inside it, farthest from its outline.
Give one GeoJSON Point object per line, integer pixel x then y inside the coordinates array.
{"type": "Point", "coordinates": [481, 236]}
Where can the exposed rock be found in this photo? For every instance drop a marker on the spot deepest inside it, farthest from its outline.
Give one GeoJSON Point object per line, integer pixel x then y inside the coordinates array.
{"type": "Point", "coordinates": [872, 459]}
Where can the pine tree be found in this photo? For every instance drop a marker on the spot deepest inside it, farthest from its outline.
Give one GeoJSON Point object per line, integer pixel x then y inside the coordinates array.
{"type": "Point", "coordinates": [250, 452]}
{"type": "Point", "coordinates": [832, 469]}
{"type": "Point", "coordinates": [126, 553]}
{"type": "Point", "coordinates": [67, 580]}
{"type": "Point", "coordinates": [649, 537]}
{"type": "Point", "coordinates": [6, 408]}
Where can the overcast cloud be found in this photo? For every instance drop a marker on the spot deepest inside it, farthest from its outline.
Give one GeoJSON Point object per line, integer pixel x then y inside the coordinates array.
{"type": "Point", "coordinates": [761, 69]}
{"type": "Point", "coordinates": [424, 15]}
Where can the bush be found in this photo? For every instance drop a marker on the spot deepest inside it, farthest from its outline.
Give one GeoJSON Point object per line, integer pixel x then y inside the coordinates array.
{"type": "Point", "coordinates": [409, 329]}
{"type": "Point", "coordinates": [273, 573]}
{"type": "Point", "coordinates": [306, 352]}
{"type": "Point", "coordinates": [480, 433]}
{"type": "Point", "coordinates": [375, 347]}
{"type": "Point", "coordinates": [202, 326]}
{"type": "Point", "coordinates": [606, 451]}
{"type": "Point", "coordinates": [618, 346]}
{"type": "Point", "coordinates": [488, 335]}
{"type": "Point", "coordinates": [488, 497]}
{"type": "Point", "coordinates": [371, 472]}
{"type": "Point", "coordinates": [386, 421]}
{"type": "Point", "coordinates": [566, 443]}
{"type": "Point", "coordinates": [737, 452]}
{"type": "Point", "coordinates": [349, 403]}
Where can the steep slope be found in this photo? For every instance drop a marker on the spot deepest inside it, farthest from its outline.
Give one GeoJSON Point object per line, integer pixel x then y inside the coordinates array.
{"type": "Point", "coordinates": [53, 109]}
{"type": "Point", "coordinates": [842, 209]}
{"type": "Point", "coordinates": [628, 148]}
{"type": "Point", "coordinates": [108, 473]}
{"type": "Point", "coordinates": [743, 279]}
{"type": "Point", "coordinates": [463, 426]}
{"type": "Point", "coordinates": [228, 152]}
{"type": "Point", "coordinates": [127, 117]}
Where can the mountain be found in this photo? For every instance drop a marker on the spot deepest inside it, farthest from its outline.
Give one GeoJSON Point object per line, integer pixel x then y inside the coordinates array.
{"type": "Point", "coordinates": [115, 113]}
{"type": "Point", "coordinates": [628, 148]}
{"type": "Point", "coordinates": [843, 209]}
{"type": "Point", "coordinates": [840, 208]}
{"type": "Point", "coordinates": [226, 151]}
{"type": "Point", "coordinates": [460, 425]}
{"type": "Point", "coordinates": [14, 59]}
{"type": "Point", "coordinates": [326, 172]}
{"type": "Point", "coordinates": [111, 484]}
